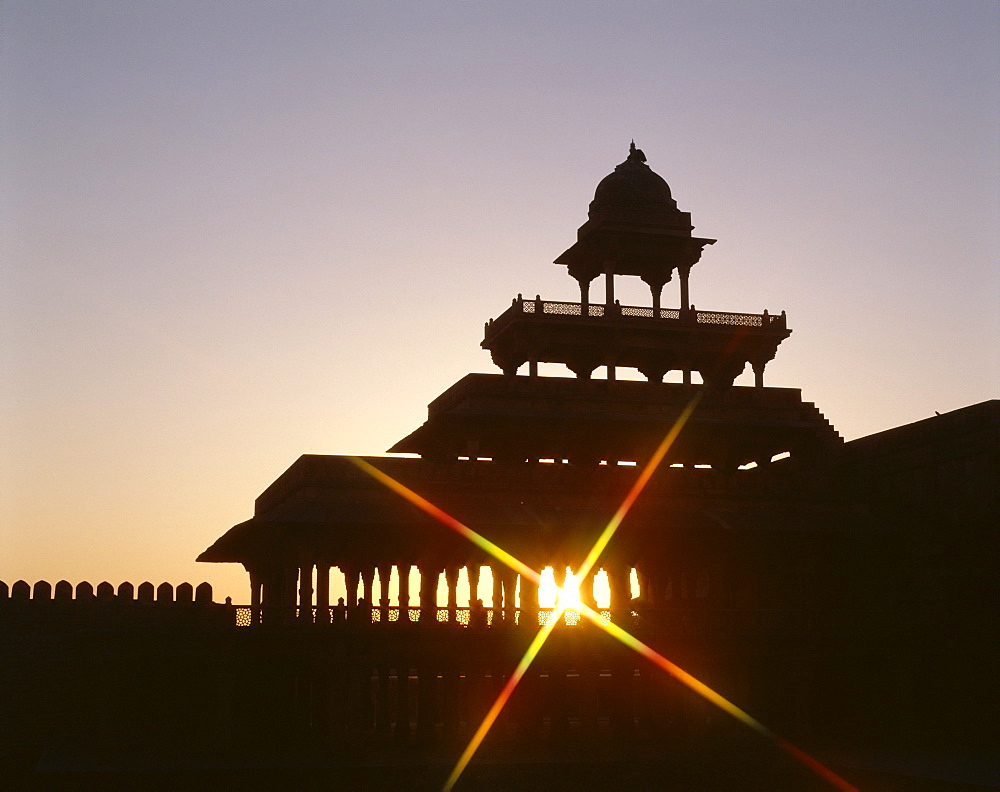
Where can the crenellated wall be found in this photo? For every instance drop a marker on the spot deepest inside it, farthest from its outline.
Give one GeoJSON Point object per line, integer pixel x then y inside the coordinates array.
{"type": "Point", "coordinates": [44, 604]}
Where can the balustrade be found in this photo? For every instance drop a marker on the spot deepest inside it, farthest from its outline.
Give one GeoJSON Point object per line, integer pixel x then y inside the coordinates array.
{"type": "Point", "coordinates": [538, 307]}
{"type": "Point", "coordinates": [248, 615]}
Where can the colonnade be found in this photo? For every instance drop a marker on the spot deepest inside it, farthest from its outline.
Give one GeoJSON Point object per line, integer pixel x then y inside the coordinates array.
{"type": "Point", "coordinates": [303, 592]}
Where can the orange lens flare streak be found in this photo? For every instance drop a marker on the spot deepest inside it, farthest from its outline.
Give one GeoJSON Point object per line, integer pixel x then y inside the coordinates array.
{"type": "Point", "coordinates": [443, 517]}
{"type": "Point", "coordinates": [508, 689]}
{"type": "Point", "coordinates": [640, 484]}
{"type": "Point", "coordinates": [710, 695]}
{"type": "Point", "coordinates": [622, 635]}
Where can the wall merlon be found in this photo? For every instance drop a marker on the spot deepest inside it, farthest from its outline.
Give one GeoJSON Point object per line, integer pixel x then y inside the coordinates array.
{"type": "Point", "coordinates": [185, 594]}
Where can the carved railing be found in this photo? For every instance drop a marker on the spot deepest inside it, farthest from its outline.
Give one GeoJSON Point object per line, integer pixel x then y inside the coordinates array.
{"type": "Point", "coordinates": [538, 307]}
{"type": "Point", "coordinates": [461, 617]}
{"type": "Point", "coordinates": [764, 621]}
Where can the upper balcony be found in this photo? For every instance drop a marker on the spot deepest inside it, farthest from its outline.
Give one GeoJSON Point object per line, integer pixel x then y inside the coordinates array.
{"type": "Point", "coordinates": [717, 344]}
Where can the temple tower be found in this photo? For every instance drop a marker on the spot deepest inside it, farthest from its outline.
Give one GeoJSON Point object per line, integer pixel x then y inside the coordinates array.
{"type": "Point", "coordinates": [634, 229]}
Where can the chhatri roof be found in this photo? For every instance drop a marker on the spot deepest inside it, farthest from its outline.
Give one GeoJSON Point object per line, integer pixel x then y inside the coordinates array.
{"type": "Point", "coordinates": [633, 184]}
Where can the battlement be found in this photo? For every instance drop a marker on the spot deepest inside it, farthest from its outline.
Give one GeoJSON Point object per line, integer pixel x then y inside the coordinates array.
{"type": "Point", "coordinates": [85, 604]}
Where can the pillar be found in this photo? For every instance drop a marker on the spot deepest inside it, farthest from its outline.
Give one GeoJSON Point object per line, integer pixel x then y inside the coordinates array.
{"type": "Point", "coordinates": [255, 596]}
{"type": "Point", "coordinates": [322, 593]}
{"type": "Point", "coordinates": [651, 589]}
{"type": "Point", "coordinates": [609, 289]}
{"type": "Point", "coordinates": [404, 593]}
{"type": "Point", "coordinates": [656, 289]}
{"type": "Point", "coordinates": [619, 585]}
{"type": "Point", "coordinates": [270, 595]}
{"type": "Point", "coordinates": [559, 577]}
{"type": "Point", "coordinates": [351, 600]}
{"type": "Point", "coordinates": [306, 592]}
{"type": "Point", "coordinates": [497, 597]}
{"type": "Point", "coordinates": [428, 598]}
{"type": "Point", "coordinates": [367, 584]}
{"type": "Point", "coordinates": [451, 577]}
{"type": "Point", "coordinates": [683, 271]}
{"type": "Point", "coordinates": [643, 580]}
{"type": "Point", "coordinates": [509, 578]}
{"type": "Point", "coordinates": [584, 297]}
{"type": "Point", "coordinates": [529, 603]}
{"type": "Point", "coordinates": [473, 570]}
{"type": "Point", "coordinates": [758, 374]}
{"type": "Point", "coordinates": [384, 573]}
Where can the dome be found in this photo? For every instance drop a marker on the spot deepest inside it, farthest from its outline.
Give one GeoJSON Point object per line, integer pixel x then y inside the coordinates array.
{"type": "Point", "coordinates": [633, 185]}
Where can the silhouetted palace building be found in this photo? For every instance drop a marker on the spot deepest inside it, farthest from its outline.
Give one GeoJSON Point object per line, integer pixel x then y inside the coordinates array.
{"type": "Point", "coordinates": [842, 593]}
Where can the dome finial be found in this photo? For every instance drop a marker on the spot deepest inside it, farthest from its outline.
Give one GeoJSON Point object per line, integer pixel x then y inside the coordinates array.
{"type": "Point", "coordinates": [635, 154]}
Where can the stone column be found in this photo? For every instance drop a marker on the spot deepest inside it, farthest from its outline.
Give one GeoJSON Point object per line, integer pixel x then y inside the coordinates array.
{"type": "Point", "coordinates": [404, 593]}
{"type": "Point", "coordinates": [384, 573]}
{"type": "Point", "coordinates": [351, 600]}
{"type": "Point", "coordinates": [270, 595]}
{"type": "Point", "coordinates": [306, 592]}
{"type": "Point", "coordinates": [367, 584]}
{"type": "Point", "coordinates": [656, 290]}
{"type": "Point", "coordinates": [651, 589]}
{"type": "Point", "coordinates": [529, 604]}
{"type": "Point", "coordinates": [473, 570]}
{"type": "Point", "coordinates": [684, 270]}
{"type": "Point", "coordinates": [509, 579]}
{"type": "Point", "coordinates": [451, 576]}
{"type": "Point", "coordinates": [621, 594]}
{"type": "Point", "coordinates": [428, 596]}
{"type": "Point", "coordinates": [255, 596]}
{"type": "Point", "coordinates": [559, 578]}
{"type": "Point", "coordinates": [497, 596]}
{"type": "Point", "coordinates": [322, 593]}
{"type": "Point", "coordinates": [643, 579]}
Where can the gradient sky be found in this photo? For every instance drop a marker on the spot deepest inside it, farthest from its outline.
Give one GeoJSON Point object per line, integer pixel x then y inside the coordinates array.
{"type": "Point", "coordinates": [236, 232]}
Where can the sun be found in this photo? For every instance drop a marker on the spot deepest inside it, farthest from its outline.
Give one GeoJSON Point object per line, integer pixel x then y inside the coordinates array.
{"type": "Point", "coordinates": [551, 596]}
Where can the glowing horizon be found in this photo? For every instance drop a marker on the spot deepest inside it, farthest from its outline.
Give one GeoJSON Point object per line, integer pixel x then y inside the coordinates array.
{"type": "Point", "coordinates": [285, 234]}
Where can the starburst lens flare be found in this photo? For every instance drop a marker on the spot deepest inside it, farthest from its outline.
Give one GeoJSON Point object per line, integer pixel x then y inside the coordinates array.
{"type": "Point", "coordinates": [551, 596]}
{"type": "Point", "coordinates": [710, 695]}
{"type": "Point", "coordinates": [508, 689]}
{"type": "Point", "coordinates": [568, 598]}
